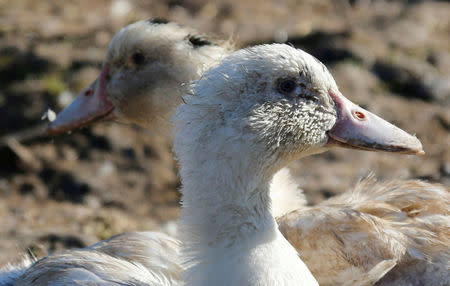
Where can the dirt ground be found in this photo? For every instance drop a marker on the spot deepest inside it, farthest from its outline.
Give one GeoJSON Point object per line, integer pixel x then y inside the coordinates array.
{"type": "Point", "coordinates": [391, 57]}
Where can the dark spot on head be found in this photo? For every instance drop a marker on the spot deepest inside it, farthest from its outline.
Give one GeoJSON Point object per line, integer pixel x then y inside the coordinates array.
{"type": "Point", "coordinates": [138, 58]}
{"type": "Point", "coordinates": [157, 21]}
{"type": "Point", "coordinates": [286, 86]}
{"type": "Point", "coordinates": [198, 41]}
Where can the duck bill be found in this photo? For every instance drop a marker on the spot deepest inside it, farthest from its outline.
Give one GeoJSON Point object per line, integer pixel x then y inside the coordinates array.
{"type": "Point", "coordinates": [89, 106]}
{"type": "Point", "coordinates": [358, 128]}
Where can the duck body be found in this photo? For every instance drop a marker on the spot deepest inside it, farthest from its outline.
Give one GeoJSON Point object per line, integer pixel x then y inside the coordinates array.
{"type": "Point", "coordinates": [135, 258]}
{"type": "Point", "coordinates": [405, 223]}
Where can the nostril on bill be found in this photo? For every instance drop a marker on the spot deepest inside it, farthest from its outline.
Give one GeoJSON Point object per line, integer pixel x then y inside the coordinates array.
{"type": "Point", "coordinates": [359, 115]}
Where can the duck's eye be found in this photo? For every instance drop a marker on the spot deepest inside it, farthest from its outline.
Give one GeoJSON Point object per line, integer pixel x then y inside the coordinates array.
{"type": "Point", "coordinates": [138, 58]}
{"type": "Point", "coordinates": [198, 41]}
{"type": "Point", "coordinates": [287, 86]}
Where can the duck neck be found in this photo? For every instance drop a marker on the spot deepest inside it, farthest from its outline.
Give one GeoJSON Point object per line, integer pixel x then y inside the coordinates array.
{"type": "Point", "coordinates": [230, 236]}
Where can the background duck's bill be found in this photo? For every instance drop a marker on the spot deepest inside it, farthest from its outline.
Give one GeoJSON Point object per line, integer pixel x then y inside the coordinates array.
{"type": "Point", "coordinates": [89, 106]}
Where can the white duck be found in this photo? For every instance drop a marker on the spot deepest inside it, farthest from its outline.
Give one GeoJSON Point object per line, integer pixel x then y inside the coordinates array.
{"type": "Point", "coordinates": [261, 109]}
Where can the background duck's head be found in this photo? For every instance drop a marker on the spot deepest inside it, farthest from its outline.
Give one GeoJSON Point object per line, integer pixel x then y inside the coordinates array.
{"type": "Point", "coordinates": [142, 75]}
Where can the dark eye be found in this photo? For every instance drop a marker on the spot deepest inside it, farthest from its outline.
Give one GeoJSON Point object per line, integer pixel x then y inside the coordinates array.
{"type": "Point", "coordinates": [138, 58]}
{"type": "Point", "coordinates": [287, 86]}
{"type": "Point", "coordinates": [198, 41]}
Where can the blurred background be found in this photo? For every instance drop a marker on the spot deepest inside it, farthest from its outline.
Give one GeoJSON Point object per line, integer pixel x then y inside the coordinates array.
{"type": "Point", "coordinates": [391, 57]}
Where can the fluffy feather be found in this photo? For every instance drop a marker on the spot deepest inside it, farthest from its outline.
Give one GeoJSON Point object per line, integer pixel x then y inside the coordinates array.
{"type": "Point", "coordinates": [10, 273]}
{"type": "Point", "coordinates": [403, 221]}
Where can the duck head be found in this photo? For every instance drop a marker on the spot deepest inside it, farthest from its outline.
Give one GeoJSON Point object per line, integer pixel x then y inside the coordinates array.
{"type": "Point", "coordinates": [142, 75]}
{"type": "Point", "coordinates": [283, 103]}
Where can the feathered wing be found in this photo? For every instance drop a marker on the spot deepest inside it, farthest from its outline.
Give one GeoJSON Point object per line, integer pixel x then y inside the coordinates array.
{"type": "Point", "coordinates": [425, 209]}
{"type": "Point", "coordinates": [345, 238]}
{"type": "Point", "coordinates": [340, 244]}
{"type": "Point", "coordinates": [12, 271]}
{"type": "Point", "coordinates": [402, 199]}
{"type": "Point", "coordinates": [137, 258]}
{"type": "Point", "coordinates": [154, 250]}
{"type": "Point", "coordinates": [373, 275]}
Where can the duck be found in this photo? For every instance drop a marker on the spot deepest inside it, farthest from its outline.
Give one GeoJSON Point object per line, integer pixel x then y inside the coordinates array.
{"type": "Point", "coordinates": [286, 176]}
{"type": "Point", "coordinates": [259, 110]}
{"type": "Point", "coordinates": [142, 75]}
